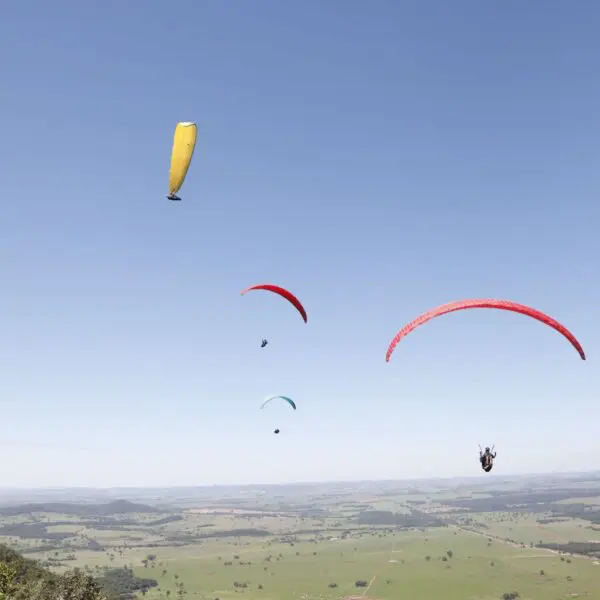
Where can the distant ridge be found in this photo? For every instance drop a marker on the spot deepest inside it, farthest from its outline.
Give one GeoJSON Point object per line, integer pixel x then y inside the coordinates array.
{"type": "Point", "coordinates": [82, 510]}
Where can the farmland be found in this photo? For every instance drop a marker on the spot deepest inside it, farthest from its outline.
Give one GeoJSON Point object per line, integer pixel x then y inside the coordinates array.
{"type": "Point", "coordinates": [539, 538]}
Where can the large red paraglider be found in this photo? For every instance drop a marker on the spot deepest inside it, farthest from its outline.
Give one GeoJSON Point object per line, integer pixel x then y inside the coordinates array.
{"type": "Point", "coordinates": [486, 303]}
{"type": "Point", "coordinates": [283, 293]}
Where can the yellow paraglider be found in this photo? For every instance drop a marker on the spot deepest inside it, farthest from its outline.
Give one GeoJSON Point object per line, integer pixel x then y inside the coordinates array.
{"type": "Point", "coordinates": [184, 142]}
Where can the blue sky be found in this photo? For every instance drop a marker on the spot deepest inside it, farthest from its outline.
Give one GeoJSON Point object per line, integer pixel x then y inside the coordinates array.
{"type": "Point", "coordinates": [377, 159]}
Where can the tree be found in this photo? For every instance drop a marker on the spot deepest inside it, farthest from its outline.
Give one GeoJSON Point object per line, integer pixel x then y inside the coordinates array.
{"type": "Point", "coordinates": [7, 580]}
{"type": "Point", "coordinates": [24, 579]}
{"type": "Point", "coordinates": [74, 586]}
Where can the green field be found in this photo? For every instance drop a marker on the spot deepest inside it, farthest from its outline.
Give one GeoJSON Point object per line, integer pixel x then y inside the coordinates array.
{"type": "Point", "coordinates": [476, 569]}
{"type": "Point", "coordinates": [327, 547]}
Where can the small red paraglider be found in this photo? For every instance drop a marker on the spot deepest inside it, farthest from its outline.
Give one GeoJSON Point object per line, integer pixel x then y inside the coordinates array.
{"type": "Point", "coordinates": [283, 293]}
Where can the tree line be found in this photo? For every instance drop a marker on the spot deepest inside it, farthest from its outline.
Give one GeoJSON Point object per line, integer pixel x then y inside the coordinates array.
{"type": "Point", "coordinates": [25, 579]}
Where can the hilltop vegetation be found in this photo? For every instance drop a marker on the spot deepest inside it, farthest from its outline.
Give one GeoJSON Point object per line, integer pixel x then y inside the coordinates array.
{"type": "Point", "coordinates": [26, 579]}
{"type": "Point", "coordinates": [23, 579]}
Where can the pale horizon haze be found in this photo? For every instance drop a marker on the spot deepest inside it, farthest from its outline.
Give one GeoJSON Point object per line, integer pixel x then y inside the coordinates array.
{"type": "Point", "coordinates": [377, 160]}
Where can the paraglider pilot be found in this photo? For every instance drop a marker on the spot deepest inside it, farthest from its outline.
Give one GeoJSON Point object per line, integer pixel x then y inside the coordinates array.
{"type": "Point", "coordinates": [174, 197]}
{"type": "Point", "coordinates": [487, 459]}
{"type": "Point", "coordinates": [276, 431]}
{"type": "Point", "coordinates": [263, 343]}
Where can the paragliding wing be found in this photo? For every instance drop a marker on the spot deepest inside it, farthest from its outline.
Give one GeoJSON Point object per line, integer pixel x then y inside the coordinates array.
{"type": "Point", "coordinates": [184, 142]}
{"type": "Point", "coordinates": [486, 303]}
{"type": "Point", "coordinates": [271, 398]}
{"type": "Point", "coordinates": [283, 293]}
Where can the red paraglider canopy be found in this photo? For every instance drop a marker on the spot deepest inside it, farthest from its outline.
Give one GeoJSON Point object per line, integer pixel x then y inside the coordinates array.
{"type": "Point", "coordinates": [486, 303]}
{"type": "Point", "coordinates": [282, 292]}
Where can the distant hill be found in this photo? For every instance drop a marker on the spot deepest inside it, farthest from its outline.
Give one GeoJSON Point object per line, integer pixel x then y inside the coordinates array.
{"type": "Point", "coordinates": [81, 510]}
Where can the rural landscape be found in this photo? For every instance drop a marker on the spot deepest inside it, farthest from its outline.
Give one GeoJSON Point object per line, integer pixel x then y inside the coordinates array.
{"type": "Point", "coordinates": [531, 538]}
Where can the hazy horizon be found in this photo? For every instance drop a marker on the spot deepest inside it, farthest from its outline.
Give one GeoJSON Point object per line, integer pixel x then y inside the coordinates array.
{"type": "Point", "coordinates": [471, 479]}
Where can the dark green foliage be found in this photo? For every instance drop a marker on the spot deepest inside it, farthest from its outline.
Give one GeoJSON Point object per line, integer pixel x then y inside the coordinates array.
{"type": "Point", "coordinates": [400, 520]}
{"type": "Point", "coordinates": [587, 548]}
{"type": "Point", "coordinates": [24, 579]}
{"type": "Point", "coordinates": [123, 584]}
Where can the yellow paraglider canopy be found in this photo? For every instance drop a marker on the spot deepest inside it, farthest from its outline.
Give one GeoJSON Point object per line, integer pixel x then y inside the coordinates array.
{"type": "Point", "coordinates": [184, 142]}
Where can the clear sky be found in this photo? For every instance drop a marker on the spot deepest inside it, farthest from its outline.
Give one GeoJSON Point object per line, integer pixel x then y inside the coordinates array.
{"type": "Point", "coordinates": [376, 158]}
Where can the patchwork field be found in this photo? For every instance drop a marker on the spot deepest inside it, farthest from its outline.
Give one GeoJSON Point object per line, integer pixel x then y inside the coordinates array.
{"type": "Point", "coordinates": [387, 544]}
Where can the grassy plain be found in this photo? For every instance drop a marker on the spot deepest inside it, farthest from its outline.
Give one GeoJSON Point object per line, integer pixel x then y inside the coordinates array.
{"type": "Point", "coordinates": [476, 569]}
{"type": "Point", "coordinates": [286, 553]}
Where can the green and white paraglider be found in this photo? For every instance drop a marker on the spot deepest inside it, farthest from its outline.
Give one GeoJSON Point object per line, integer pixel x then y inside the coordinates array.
{"type": "Point", "coordinates": [284, 398]}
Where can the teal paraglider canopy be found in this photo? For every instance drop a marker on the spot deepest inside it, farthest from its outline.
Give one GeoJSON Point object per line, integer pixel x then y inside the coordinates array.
{"type": "Point", "coordinates": [285, 398]}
